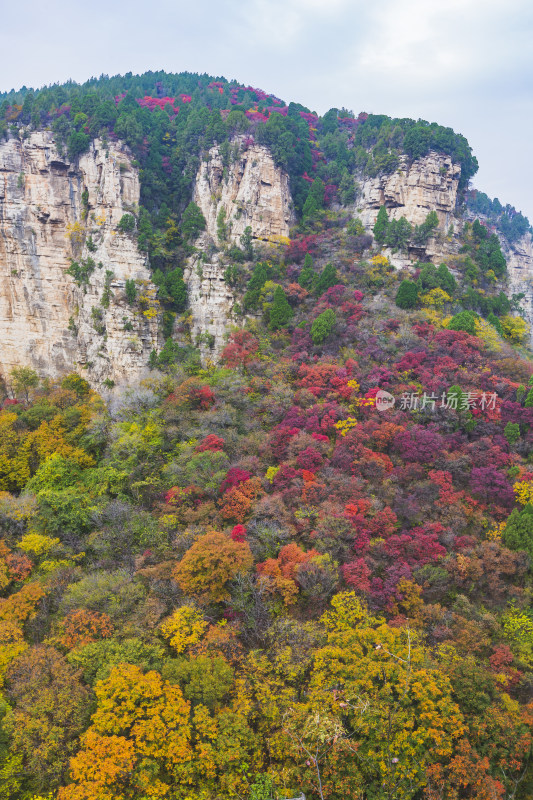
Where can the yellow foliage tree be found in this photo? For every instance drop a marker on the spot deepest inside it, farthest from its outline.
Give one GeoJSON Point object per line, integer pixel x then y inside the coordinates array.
{"type": "Point", "coordinates": [488, 335]}
{"type": "Point", "coordinates": [436, 297]}
{"type": "Point", "coordinates": [22, 453]}
{"type": "Point", "coordinates": [514, 328]}
{"type": "Point", "coordinates": [12, 644]}
{"type": "Point", "coordinates": [523, 491]}
{"type": "Point", "coordinates": [139, 742]}
{"type": "Point", "coordinates": [37, 544]}
{"type": "Point", "coordinates": [395, 708]}
{"type": "Point", "coordinates": [184, 628]}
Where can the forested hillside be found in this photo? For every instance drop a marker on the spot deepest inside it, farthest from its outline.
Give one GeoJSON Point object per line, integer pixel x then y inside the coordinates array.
{"type": "Point", "coordinates": [306, 567]}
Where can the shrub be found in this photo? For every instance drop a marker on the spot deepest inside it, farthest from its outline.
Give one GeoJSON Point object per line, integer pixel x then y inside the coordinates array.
{"type": "Point", "coordinates": [464, 321]}
{"type": "Point", "coordinates": [512, 432]}
{"type": "Point", "coordinates": [127, 223]}
{"type": "Point", "coordinates": [515, 329]}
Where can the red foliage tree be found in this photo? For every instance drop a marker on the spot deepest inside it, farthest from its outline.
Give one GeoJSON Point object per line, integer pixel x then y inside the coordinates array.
{"type": "Point", "coordinates": [211, 442]}
{"type": "Point", "coordinates": [240, 350]}
{"type": "Point", "coordinates": [234, 477]}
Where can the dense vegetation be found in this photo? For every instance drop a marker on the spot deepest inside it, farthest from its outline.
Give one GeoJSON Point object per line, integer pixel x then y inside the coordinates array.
{"type": "Point", "coordinates": [387, 138]}
{"type": "Point", "coordinates": [505, 219]}
{"type": "Point", "coordinates": [248, 581]}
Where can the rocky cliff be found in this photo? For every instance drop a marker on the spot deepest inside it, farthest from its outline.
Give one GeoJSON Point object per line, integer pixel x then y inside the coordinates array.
{"type": "Point", "coordinates": [210, 302]}
{"type": "Point", "coordinates": [519, 257]}
{"type": "Point", "coordinates": [416, 188]}
{"type": "Point", "coordinates": [244, 188]}
{"type": "Point", "coordinates": [53, 212]}
{"type": "Point", "coordinates": [248, 191]}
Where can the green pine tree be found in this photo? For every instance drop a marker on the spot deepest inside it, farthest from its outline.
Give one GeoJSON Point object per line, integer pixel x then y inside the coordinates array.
{"type": "Point", "coordinates": [446, 279]}
{"type": "Point", "coordinates": [464, 321]}
{"type": "Point", "coordinates": [307, 276]}
{"type": "Point", "coordinates": [280, 312]}
{"type": "Point", "coordinates": [495, 322]}
{"type": "Point", "coordinates": [380, 228]}
{"type": "Point", "coordinates": [518, 531]}
{"type": "Point", "coordinates": [192, 222]}
{"type": "Point", "coordinates": [512, 432]}
{"type": "Point", "coordinates": [322, 326]}
{"type": "Point", "coordinates": [255, 284]}
{"type": "Point", "coordinates": [326, 279]}
{"type": "Point", "coordinates": [347, 188]}
{"type": "Point", "coordinates": [315, 199]}
{"type": "Point", "coordinates": [407, 295]}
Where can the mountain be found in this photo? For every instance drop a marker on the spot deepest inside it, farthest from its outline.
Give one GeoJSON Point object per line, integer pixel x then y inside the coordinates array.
{"type": "Point", "coordinates": [266, 497]}
{"type": "Point", "coordinates": [96, 179]}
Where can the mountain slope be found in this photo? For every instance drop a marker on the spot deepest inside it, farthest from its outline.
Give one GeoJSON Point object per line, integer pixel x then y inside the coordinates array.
{"type": "Point", "coordinates": [296, 556]}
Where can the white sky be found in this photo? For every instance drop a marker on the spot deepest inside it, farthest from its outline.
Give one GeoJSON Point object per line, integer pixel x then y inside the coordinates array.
{"type": "Point", "coordinates": [463, 63]}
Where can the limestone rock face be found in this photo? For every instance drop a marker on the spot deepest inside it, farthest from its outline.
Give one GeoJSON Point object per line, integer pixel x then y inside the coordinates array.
{"type": "Point", "coordinates": [251, 190]}
{"type": "Point", "coordinates": [53, 211]}
{"type": "Point", "coordinates": [210, 302]}
{"type": "Point", "coordinates": [519, 257]}
{"type": "Point", "coordinates": [416, 188]}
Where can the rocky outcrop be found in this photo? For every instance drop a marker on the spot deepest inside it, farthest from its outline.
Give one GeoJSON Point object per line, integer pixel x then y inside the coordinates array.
{"type": "Point", "coordinates": [249, 189]}
{"type": "Point", "coordinates": [53, 211]}
{"type": "Point", "coordinates": [416, 188]}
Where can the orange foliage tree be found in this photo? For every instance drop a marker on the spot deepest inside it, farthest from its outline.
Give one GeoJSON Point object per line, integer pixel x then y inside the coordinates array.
{"type": "Point", "coordinates": [282, 571]}
{"type": "Point", "coordinates": [238, 500]}
{"type": "Point", "coordinates": [82, 626]}
{"type": "Point", "coordinates": [210, 564]}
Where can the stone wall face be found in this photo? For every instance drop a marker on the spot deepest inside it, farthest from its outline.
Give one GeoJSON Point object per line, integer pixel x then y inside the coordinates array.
{"type": "Point", "coordinates": [519, 257]}
{"type": "Point", "coordinates": [53, 211]}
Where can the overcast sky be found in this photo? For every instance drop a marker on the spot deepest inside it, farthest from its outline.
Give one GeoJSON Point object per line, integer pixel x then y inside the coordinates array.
{"type": "Point", "coordinates": [467, 64]}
